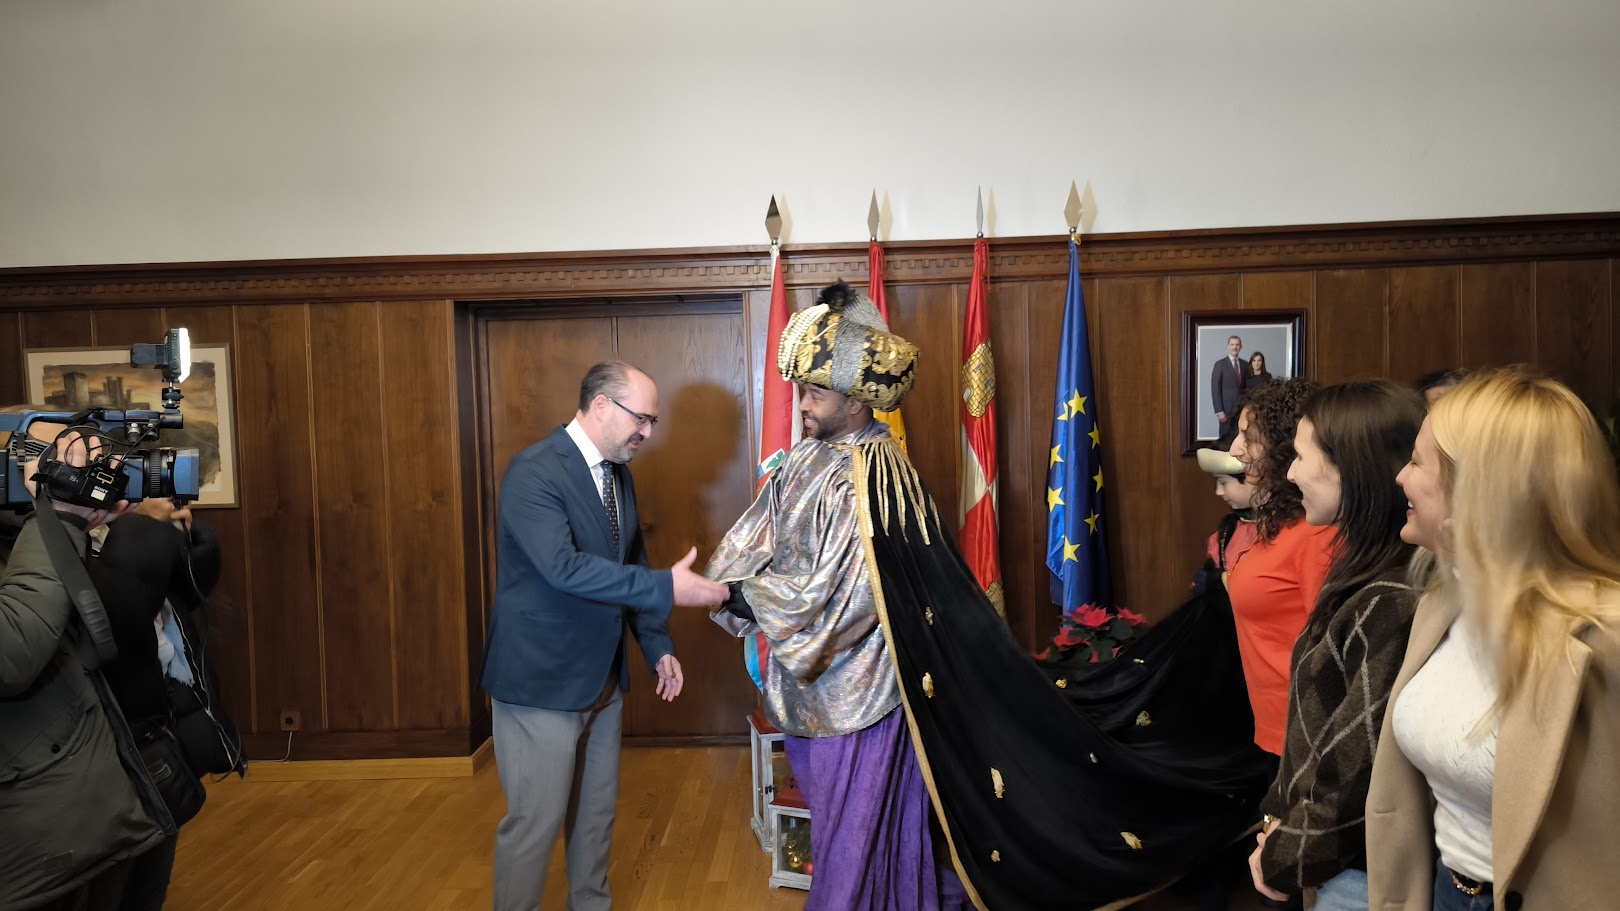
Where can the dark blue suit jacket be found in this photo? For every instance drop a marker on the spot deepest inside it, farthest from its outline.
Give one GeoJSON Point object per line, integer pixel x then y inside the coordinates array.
{"type": "Point", "coordinates": [563, 598]}
{"type": "Point", "coordinates": [1225, 385]}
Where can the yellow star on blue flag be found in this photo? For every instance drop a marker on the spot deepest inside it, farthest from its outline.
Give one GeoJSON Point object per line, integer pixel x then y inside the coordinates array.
{"type": "Point", "coordinates": [1076, 552]}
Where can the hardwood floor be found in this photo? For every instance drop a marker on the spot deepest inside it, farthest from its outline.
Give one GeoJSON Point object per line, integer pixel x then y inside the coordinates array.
{"type": "Point", "coordinates": [681, 843]}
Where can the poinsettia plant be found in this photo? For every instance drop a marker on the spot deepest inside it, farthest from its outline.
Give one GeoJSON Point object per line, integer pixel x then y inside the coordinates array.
{"type": "Point", "coordinates": [1092, 634]}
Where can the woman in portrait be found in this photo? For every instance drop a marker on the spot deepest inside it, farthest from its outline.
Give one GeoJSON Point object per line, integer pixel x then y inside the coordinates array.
{"type": "Point", "coordinates": [1257, 375]}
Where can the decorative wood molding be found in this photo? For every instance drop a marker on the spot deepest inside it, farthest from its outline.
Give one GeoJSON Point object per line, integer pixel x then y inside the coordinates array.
{"type": "Point", "coordinates": [321, 745]}
{"type": "Point", "coordinates": [371, 769]}
{"type": "Point", "coordinates": [631, 273]}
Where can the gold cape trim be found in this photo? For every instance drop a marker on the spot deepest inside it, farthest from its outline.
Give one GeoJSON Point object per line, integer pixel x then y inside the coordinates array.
{"type": "Point", "coordinates": [885, 453]}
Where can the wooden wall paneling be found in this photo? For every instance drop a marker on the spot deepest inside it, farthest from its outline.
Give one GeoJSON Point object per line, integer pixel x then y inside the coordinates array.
{"type": "Point", "coordinates": [1285, 291]}
{"type": "Point", "coordinates": [477, 524]}
{"type": "Point", "coordinates": [1371, 290]}
{"type": "Point", "coordinates": [419, 391]}
{"type": "Point", "coordinates": [535, 366]}
{"type": "Point", "coordinates": [1351, 325]}
{"type": "Point", "coordinates": [756, 322]}
{"type": "Point", "coordinates": [1497, 314]}
{"type": "Point", "coordinates": [1136, 482]}
{"type": "Point", "coordinates": [274, 453]}
{"type": "Point", "coordinates": [1424, 320]}
{"type": "Point", "coordinates": [58, 329]}
{"type": "Point", "coordinates": [1614, 325]}
{"type": "Point", "coordinates": [319, 745]}
{"type": "Point", "coordinates": [1008, 312]}
{"type": "Point", "coordinates": [13, 384]}
{"type": "Point", "coordinates": [128, 326]}
{"type": "Point", "coordinates": [1194, 510]}
{"type": "Point", "coordinates": [1044, 303]}
{"type": "Point", "coordinates": [930, 317]}
{"type": "Point", "coordinates": [1574, 331]}
{"type": "Point", "coordinates": [694, 477]}
{"type": "Point", "coordinates": [231, 605]}
{"type": "Point", "coordinates": [352, 469]}
{"type": "Point", "coordinates": [1278, 291]}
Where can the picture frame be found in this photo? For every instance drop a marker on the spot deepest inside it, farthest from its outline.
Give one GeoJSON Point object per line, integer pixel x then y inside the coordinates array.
{"type": "Point", "coordinates": [1274, 338]}
{"type": "Point", "coordinates": [102, 375]}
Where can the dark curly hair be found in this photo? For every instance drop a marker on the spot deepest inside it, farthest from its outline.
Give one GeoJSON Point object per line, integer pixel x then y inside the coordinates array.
{"type": "Point", "coordinates": [1273, 409]}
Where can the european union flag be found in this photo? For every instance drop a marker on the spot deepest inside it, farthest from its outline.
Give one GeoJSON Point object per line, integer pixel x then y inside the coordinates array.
{"type": "Point", "coordinates": [1075, 552]}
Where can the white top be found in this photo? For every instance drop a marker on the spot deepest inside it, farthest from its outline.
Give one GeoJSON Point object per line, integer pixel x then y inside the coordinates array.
{"type": "Point", "coordinates": [1433, 717]}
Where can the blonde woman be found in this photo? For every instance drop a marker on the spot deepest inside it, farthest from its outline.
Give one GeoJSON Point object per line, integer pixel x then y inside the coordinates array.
{"type": "Point", "coordinates": [1501, 747]}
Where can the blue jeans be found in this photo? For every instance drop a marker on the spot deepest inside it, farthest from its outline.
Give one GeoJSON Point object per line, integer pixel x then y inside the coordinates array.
{"type": "Point", "coordinates": [1447, 897]}
{"type": "Point", "coordinates": [1345, 892]}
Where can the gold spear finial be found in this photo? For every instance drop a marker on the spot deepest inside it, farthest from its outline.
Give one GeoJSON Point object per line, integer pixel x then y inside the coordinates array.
{"type": "Point", "coordinates": [773, 222]}
{"type": "Point", "coordinates": [872, 218]}
{"type": "Point", "coordinates": [1072, 211]}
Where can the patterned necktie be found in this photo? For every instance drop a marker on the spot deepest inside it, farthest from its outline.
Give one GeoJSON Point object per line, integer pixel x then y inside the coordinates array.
{"type": "Point", "coordinates": [1237, 370]}
{"type": "Point", "coordinates": [610, 502]}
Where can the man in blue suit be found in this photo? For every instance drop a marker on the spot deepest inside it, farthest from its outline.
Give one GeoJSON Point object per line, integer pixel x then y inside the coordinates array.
{"type": "Point", "coordinates": [572, 581]}
{"type": "Point", "coordinates": [1226, 384]}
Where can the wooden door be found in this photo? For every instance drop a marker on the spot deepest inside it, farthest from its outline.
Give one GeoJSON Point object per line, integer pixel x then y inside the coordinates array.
{"type": "Point", "coordinates": [693, 475]}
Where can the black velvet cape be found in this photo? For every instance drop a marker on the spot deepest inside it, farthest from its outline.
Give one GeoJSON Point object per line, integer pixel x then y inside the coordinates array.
{"type": "Point", "coordinates": [1090, 795]}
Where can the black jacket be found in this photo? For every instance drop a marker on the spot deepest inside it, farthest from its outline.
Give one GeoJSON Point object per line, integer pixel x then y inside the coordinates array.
{"type": "Point", "coordinates": [73, 794]}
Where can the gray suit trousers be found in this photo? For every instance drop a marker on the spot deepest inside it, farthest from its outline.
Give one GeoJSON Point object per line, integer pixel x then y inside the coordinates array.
{"type": "Point", "coordinates": [559, 771]}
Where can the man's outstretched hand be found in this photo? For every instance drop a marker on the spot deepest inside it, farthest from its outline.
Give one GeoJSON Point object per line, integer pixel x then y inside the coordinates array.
{"type": "Point", "coordinates": [691, 589]}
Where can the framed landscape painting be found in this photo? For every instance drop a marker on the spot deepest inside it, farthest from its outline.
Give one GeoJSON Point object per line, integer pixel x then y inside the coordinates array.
{"type": "Point", "coordinates": [73, 379]}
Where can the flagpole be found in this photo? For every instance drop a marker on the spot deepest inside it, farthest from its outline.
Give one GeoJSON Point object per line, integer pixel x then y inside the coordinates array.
{"type": "Point", "coordinates": [895, 420]}
{"type": "Point", "coordinates": [979, 533]}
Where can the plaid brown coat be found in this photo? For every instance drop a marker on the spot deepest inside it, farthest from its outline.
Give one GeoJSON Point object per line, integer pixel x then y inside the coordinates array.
{"type": "Point", "coordinates": [1343, 670]}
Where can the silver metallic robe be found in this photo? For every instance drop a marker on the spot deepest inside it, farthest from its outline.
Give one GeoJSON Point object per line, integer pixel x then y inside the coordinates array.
{"type": "Point", "coordinates": [797, 551]}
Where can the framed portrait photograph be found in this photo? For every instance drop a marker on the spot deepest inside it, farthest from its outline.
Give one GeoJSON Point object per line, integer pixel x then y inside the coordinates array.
{"type": "Point", "coordinates": [1225, 352]}
{"type": "Point", "coordinates": [78, 378]}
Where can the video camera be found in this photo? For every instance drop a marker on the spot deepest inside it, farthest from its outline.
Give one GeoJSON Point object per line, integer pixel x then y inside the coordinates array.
{"type": "Point", "coordinates": [122, 470]}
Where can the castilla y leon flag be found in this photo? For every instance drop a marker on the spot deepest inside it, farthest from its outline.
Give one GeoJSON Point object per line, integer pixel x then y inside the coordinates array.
{"type": "Point", "coordinates": [874, 290]}
{"type": "Point", "coordinates": [980, 498]}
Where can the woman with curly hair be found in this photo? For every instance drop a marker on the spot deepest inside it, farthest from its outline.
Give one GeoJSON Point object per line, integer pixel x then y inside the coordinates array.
{"type": "Point", "coordinates": [1274, 584]}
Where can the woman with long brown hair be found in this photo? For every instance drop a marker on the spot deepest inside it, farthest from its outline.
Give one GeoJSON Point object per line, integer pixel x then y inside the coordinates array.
{"type": "Point", "coordinates": [1351, 441]}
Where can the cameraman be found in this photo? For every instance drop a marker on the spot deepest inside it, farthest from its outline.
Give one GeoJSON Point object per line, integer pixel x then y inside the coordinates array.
{"type": "Point", "coordinates": [77, 805]}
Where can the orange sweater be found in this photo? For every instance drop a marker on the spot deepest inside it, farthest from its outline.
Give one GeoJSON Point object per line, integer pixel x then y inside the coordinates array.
{"type": "Point", "coordinates": [1273, 588]}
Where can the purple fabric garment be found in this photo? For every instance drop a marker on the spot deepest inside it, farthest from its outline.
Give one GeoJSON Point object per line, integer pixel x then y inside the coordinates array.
{"type": "Point", "coordinates": [870, 836]}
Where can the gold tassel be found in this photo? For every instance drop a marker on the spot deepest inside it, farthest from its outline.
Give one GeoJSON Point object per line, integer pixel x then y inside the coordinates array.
{"type": "Point", "coordinates": [995, 778]}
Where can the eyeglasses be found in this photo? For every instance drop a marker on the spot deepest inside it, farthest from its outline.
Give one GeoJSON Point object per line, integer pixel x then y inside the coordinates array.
{"type": "Point", "coordinates": [642, 420]}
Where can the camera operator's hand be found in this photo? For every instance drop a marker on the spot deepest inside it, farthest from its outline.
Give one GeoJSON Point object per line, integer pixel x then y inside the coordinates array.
{"type": "Point", "coordinates": [164, 510]}
{"type": "Point", "coordinates": [74, 450]}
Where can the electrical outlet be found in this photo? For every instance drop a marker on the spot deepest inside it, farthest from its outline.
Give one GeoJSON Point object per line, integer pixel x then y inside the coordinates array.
{"type": "Point", "coordinates": [292, 720]}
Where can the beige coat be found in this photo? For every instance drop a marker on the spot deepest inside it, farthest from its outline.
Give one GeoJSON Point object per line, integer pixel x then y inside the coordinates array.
{"type": "Point", "coordinates": [1555, 801]}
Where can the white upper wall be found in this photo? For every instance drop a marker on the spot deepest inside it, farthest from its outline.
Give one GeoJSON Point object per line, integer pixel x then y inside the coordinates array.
{"type": "Point", "coordinates": [179, 130]}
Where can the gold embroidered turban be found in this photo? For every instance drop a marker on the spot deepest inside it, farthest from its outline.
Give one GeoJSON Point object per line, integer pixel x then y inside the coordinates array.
{"type": "Point", "coordinates": [843, 344]}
